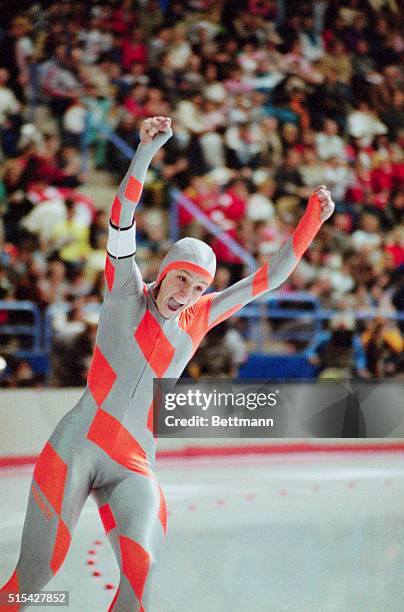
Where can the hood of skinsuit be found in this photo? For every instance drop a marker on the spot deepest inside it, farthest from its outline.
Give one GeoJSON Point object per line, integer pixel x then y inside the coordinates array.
{"type": "Point", "coordinates": [189, 254]}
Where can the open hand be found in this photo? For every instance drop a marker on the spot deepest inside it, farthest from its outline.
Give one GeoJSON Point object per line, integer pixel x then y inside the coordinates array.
{"type": "Point", "coordinates": [326, 202]}
{"type": "Point", "coordinates": [153, 126]}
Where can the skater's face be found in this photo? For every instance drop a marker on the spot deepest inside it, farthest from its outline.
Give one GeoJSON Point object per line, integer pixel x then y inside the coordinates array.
{"type": "Point", "coordinates": [178, 290]}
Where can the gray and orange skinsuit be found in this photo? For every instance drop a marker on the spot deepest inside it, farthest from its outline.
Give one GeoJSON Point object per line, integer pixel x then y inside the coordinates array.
{"type": "Point", "coordinates": [105, 444]}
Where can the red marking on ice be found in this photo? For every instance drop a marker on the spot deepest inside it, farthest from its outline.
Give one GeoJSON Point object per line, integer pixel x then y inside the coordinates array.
{"type": "Point", "coordinates": [283, 492]}
{"type": "Point", "coordinates": [192, 507]}
{"type": "Point", "coordinates": [351, 485]}
{"type": "Point", "coordinates": [90, 562]}
{"type": "Point", "coordinates": [249, 496]}
{"type": "Point", "coordinates": [96, 573]}
{"type": "Point", "coordinates": [92, 552]}
{"type": "Point", "coordinates": [109, 586]}
{"type": "Point", "coordinates": [220, 502]}
{"type": "Point", "coordinates": [168, 513]}
{"type": "Point", "coordinates": [97, 542]}
{"type": "Point", "coordinates": [315, 487]}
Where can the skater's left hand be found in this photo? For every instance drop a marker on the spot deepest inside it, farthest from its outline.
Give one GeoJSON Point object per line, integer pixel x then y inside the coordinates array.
{"type": "Point", "coordinates": [326, 202]}
{"type": "Point", "coordinates": [153, 126]}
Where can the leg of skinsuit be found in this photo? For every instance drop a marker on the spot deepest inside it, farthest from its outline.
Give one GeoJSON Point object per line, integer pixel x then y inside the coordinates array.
{"type": "Point", "coordinates": [59, 488]}
{"type": "Point", "coordinates": [133, 512]}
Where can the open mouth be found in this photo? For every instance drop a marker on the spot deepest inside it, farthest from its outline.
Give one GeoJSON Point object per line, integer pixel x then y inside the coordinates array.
{"type": "Point", "coordinates": [173, 305]}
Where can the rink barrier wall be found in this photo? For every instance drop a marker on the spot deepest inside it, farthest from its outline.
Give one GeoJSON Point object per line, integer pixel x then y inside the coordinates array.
{"type": "Point", "coordinates": [28, 417]}
{"type": "Point", "coordinates": [282, 447]}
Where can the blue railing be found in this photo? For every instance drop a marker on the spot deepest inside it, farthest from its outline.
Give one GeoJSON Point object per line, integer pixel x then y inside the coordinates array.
{"type": "Point", "coordinates": [34, 329]}
{"type": "Point", "coordinates": [35, 354]}
{"type": "Point", "coordinates": [273, 307]}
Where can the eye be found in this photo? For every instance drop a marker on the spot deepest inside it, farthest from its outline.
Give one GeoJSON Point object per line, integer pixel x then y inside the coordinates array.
{"type": "Point", "coordinates": [199, 289]}
{"type": "Point", "coordinates": [182, 278]}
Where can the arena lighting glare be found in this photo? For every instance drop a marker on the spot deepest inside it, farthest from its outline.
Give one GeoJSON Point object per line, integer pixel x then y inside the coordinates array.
{"type": "Point", "coordinates": [3, 363]}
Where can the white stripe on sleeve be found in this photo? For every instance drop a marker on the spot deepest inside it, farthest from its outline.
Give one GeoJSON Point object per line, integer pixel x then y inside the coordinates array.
{"type": "Point", "coordinates": [121, 242]}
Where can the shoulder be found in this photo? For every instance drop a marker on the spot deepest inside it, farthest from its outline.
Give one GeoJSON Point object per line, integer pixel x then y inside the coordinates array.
{"type": "Point", "coordinates": [198, 311]}
{"type": "Point", "coordinates": [195, 320]}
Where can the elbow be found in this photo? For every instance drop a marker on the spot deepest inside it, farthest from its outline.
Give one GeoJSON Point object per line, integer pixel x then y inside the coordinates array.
{"type": "Point", "coordinates": [275, 283]}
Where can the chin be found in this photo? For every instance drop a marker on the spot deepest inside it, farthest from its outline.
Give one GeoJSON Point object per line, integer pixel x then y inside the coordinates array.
{"type": "Point", "coordinates": [169, 314]}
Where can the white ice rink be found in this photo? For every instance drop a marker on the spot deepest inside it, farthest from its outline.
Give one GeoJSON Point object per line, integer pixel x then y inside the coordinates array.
{"type": "Point", "coordinates": [318, 532]}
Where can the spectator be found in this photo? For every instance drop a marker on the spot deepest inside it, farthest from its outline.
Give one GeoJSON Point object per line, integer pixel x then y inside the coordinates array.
{"type": "Point", "coordinates": [328, 142]}
{"type": "Point", "coordinates": [338, 60]}
{"type": "Point", "coordinates": [179, 51]}
{"type": "Point", "coordinates": [9, 104]}
{"type": "Point", "coordinates": [274, 104]}
{"type": "Point", "coordinates": [72, 352]}
{"type": "Point", "coordinates": [134, 49]}
{"type": "Point", "coordinates": [311, 41]}
{"type": "Point", "coordinates": [368, 235]}
{"type": "Point", "coordinates": [59, 82]}
{"type": "Point", "coordinates": [364, 124]}
{"type": "Point", "coordinates": [384, 345]}
{"type": "Point", "coordinates": [70, 239]}
{"type": "Point", "coordinates": [340, 354]}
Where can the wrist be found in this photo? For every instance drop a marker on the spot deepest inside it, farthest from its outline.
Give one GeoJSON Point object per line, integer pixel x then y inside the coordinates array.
{"type": "Point", "coordinates": [308, 227]}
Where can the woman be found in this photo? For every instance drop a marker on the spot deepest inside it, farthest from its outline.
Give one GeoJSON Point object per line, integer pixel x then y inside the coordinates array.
{"type": "Point", "coordinates": [105, 445]}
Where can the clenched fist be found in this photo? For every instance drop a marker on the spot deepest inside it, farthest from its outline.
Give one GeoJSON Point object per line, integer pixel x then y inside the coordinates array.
{"type": "Point", "coordinates": [326, 203]}
{"type": "Point", "coordinates": [153, 126]}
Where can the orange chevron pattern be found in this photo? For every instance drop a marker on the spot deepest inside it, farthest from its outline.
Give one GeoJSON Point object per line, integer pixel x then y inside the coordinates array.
{"type": "Point", "coordinates": [109, 273]}
{"type": "Point", "coordinates": [50, 474]}
{"type": "Point", "coordinates": [163, 510]}
{"type": "Point", "coordinates": [101, 377]}
{"type": "Point", "coordinates": [308, 227]}
{"type": "Point", "coordinates": [107, 517]}
{"type": "Point", "coordinates": [118, 443]}
{"type": "Point", "coordinates": [116, 211]}
{"type": "Point", "coordinates": [260, 280]}
{"type": "Point", "coordinates": [62, 543]}
{"type": "Point", "coordinates": [154, 345]}
{"type": "Point", "coordinates": [135, 564]}
{"type": "Point", "coordinates": [194, 320]}
{"type": "Point", "coordinates": [133, 190]}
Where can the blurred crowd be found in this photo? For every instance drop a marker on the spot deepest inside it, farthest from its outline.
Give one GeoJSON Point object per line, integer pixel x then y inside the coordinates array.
{"type": "Point", "coordinates": [268, 98]}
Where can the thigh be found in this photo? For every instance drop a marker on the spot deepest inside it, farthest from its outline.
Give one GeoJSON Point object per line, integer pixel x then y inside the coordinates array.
{"type": "Point", "coordinates": [61, 483]}
{"type": "Point", "coordinates": [134, 506]}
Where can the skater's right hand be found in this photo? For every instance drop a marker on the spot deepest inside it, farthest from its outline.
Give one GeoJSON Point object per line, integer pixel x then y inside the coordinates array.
{"type": "Point", "coordinates": [153, 126]}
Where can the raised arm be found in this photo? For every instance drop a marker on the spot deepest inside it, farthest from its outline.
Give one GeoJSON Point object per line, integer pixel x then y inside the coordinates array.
{"type": "Point", "coordinates": [272, 274]}
{"type": "Point", "coordinates": [122, 275]}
